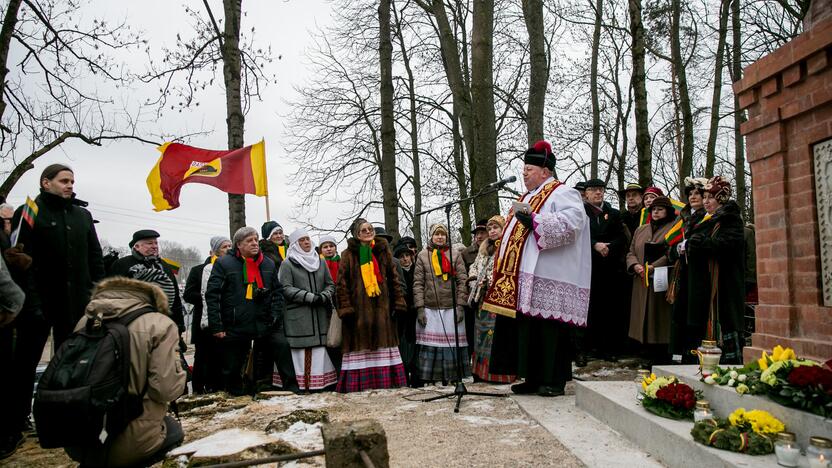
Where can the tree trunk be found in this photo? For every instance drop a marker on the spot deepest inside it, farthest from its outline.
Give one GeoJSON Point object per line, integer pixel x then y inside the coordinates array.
{"type": "Point", "coordinates": [9, 23]}
{"type": "Point", "coordinates": [739, 116]}
{"type": "Point", "coordinates": [719, 61]}
{"type": "Point", "coordinates": [465, 207]}
{"type": "Point", "coordinates": [539, 72]}
{"type": "Point", "coordinates": [593, 91]}
{"type": "Point", "coordinates": [639, 79]}
{"type": "Point", "coordinates": [235, 120]}
{"type": "Point", "coordinates": [390, 196]}
{"type": "Point", "coordinates": [483, 161]}
{"type": "Point", "coordinates": [414, 135]}
{"type": "Point", "coordinates": [686, 167]}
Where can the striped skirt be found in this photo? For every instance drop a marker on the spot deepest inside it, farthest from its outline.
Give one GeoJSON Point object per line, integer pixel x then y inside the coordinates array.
{"type": "Point", "coordinates": [371, 369]}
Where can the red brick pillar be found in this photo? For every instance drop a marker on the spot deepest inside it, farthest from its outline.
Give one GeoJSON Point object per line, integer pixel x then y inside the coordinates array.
{"type": "Point", "coordinates": [788, 95]}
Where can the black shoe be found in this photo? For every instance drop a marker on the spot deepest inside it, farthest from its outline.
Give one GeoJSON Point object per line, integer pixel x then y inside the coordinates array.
{"type": "Point", "coordinates": [580, 360]}
{"type": "Point", "coordinates": [9, 445]}
{"type": "Point", "coordinates": [525, 388]}
{"type": "Point", "coordinates": [547, 391]}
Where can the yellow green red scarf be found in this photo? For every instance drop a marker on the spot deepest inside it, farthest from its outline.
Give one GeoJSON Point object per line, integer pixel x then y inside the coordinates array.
{"type": "Point", "coordinates": [369, 269]}
{"type": "Point", "coordinates": [441, 264]}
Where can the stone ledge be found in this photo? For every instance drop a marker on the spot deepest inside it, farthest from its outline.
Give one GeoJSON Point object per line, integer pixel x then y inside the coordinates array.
{"type": "Point", "coordinates": [614, 403]}
{"type": "Point", "coordinates": [725, 400]}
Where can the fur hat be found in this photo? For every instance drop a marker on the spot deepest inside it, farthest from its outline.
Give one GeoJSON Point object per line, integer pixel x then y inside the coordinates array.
{"type": "Point", "coordinates": [498, 220]}
{"type": "Point", "coordinates": [719, 188]}
{"type": "Point", "coordinates": [540, 154]}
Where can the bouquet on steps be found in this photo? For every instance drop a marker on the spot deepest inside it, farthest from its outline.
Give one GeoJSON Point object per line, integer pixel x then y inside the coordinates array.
{"type": "Point", "coordinates": [669, 398]}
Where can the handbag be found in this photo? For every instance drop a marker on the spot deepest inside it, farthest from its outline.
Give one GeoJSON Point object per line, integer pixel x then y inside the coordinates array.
{"type": "Point", "coordinates": [333, 334]}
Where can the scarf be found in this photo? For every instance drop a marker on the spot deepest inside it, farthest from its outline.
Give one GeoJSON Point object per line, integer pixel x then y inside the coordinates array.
{"type": "Point", "coordinates": [332, 264]}
{"type": "Point", "coordinates": [369, 269]}
{"type": "Point", "coordinates": [441, 264]}
{"type": "Point", "coordinates": [310, 261]}
{"type": "Point", "coordinates": [151, 270]}
{"type": "Point", "coordinates": [251, 274]}
{"type": "Point", "coordinates": [281, 249]}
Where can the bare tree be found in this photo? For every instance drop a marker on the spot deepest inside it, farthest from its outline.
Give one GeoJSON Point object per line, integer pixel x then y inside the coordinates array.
{"type": "Point", "coordinates": [639, 85]}
{"type": "Point", "coordinates": [719, 62]}
{"type": "Point", "coordinates": [593, 89]}
{"type": "Point", "coordinates": [539, 68]}
{"type": "Point", "coordinates": [388, 129]}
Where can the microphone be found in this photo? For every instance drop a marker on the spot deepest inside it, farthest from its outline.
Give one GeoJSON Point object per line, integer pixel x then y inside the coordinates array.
{"type": "Point", "coordinates": [500, 183]}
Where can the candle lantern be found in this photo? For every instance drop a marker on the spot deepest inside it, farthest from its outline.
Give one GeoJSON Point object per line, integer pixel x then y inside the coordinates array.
{"type": "Point", "coordinates": [703, 411]}
{"type": "Point", "coordinates": [786, 449]}
{"type": "Point", "coordinates": [709, 355]}
{"type": "Point", "coordinates": [819, 452]}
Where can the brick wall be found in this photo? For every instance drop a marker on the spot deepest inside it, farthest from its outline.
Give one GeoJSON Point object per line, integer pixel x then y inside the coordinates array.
{"type": "Point", "coordinates": [788, 95]}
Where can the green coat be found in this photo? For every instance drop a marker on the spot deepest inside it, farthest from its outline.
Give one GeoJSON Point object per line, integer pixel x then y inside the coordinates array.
{"type": "Point", "coordinates": [305, 324]}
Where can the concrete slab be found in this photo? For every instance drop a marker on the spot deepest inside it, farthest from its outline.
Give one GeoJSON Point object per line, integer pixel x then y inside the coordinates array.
{"type": "Point", "coordinates": [594, 443]}
{"type": "Point", "coordinates": [669, 441]}
{"type": "Point", "coordinates": [724, 400]}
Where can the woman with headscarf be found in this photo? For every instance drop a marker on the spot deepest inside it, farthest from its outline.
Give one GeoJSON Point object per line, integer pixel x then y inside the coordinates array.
{"type": "Point", "coordinates": [479, 279]}
{"type": "Point", "coordinates": [715, 252]}
{"type": "Point", "coordinates": [677, 292]}
{"type": "Point", "coordinates": [369, 295]}
{"type": "Point", "coordinates": [649, 310]}
{"type": "Point", "coordinates": [308, 289]}
{"type": "Point", "coordinates": [435, 314]}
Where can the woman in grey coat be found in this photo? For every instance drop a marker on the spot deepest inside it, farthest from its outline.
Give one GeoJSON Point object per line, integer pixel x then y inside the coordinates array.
{"type": "Point", "coordinates": [308, 289]}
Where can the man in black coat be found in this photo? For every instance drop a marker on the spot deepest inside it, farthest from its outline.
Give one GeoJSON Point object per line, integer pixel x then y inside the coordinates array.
{"type": "Point", "coordinates": [245, 302]}
{"type": "Point", "coordinates": [205, 356]}
{"type": "Point", "coordinates": [632, 195]}
{"type": "Point", "coordinates": [608, 316]}
{"type": "Point", "coordinates": [144, 264]}
{"type": "Point", "coordinates": [55, 261]}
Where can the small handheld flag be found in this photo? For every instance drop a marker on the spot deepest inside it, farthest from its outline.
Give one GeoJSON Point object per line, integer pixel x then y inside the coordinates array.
{"type": "Point", "coordinates": [28, 214]}
{"type": "Point", "coordinates": [675, 234]}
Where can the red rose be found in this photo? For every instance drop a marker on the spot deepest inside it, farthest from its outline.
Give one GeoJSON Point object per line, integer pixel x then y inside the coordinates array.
{"type": "Point", "coordinates": [811, 376]}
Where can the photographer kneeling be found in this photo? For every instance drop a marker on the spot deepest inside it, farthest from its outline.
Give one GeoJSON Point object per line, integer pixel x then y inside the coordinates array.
{"type": "Point", "coordinates": [244, 300]}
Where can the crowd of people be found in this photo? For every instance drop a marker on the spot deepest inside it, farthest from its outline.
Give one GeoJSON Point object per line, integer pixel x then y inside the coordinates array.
{"type": "Point", "coordinates": [563, 277]}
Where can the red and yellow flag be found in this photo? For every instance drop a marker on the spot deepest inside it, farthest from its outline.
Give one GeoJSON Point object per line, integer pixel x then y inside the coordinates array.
{"type": "Point", "coordinates": [676, 233]}
{"type": "Point", "coordinates": [236, 171]}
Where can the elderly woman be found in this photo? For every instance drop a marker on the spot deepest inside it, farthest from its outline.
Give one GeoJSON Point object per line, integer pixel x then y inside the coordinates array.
{"type": "Point", "coordinates": [479, 279]}
{"type": "Point", "coordinates": [368, 295]}
{"type": "Point", "coordinates": [715, 251]}
{"type": "Point", "coordinates": [677, 293]}
{"type": "Point", "coordinates": [649, 310]}
{"type": "Point", "coordinates": [308, 289]}
{"type": "Point", "coordinates": [435, 314]}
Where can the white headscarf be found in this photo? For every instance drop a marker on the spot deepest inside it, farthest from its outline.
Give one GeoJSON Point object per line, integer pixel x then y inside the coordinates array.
{"type": "Point", "coordinates": [310, 261]}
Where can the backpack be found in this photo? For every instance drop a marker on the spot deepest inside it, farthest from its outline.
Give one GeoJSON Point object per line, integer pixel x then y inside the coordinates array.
{"type": "Point", "coordinates": [82, 397]}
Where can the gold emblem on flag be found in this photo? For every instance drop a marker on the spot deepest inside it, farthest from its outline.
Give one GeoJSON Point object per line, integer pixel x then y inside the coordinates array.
{"type": "Point", "coordinates": [204, 169]}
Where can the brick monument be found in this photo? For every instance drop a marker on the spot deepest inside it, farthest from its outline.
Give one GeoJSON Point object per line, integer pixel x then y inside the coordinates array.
{"type": "Point", "coordinates": [788, 95]}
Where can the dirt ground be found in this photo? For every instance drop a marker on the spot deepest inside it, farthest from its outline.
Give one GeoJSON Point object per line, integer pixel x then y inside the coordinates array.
{"type": "Point", "coordinates": [489, 432]}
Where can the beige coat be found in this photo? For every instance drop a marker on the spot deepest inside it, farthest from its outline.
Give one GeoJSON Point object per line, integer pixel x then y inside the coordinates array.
{"type": "Point", "coordinates": [154, 362]}
{"type": "Point", "coordinates": [432, 291]}
{"type": "Point", "coordinates": [649, 311]}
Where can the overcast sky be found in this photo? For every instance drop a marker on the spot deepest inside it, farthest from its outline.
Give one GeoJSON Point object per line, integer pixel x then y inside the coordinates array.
{"type": "Point", "coordinates": [112, 178]}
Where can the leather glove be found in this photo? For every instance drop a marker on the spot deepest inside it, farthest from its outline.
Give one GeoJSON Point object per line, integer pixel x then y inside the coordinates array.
{"type": "Point", "coordinates": [525, 219]}
{"type": "Point", "coordinates": [421, 316]}
{"type": "Point", "coordinates": [16, 259]}
{"type": "Point", "coordinates": [318, 300]}
{"type": "Point", "coordinates": [460, 314]}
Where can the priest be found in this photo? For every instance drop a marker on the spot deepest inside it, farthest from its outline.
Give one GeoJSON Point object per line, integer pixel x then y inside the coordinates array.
{"type": "Point", "coordinates": [542, 274]}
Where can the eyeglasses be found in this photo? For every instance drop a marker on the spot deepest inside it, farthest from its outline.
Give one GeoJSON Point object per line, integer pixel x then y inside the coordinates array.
{"type": "Point", "coordinates": [367, 231]}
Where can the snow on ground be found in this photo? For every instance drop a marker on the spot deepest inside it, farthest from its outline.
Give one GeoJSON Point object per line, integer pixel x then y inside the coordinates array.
{"type": "Point", "coordinates": [224, 443]}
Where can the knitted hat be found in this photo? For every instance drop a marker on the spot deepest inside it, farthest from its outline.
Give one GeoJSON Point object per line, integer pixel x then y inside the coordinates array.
{"type": "Point", "coordinates": [297, 235]}
{"type": "Point", "coordinates": [438, 227]}
{"type": "Point", "coordinates": [540, 154]}
{"type": "Point", "coordinates": [217, 241]}
{"type": "Point", "coordinates": [268, 228]}
{"type": "Point", "coordinates": [653, 190]}
{"type": "Point", "coordinates": [719, 188]}
{"type": "Point", "coordinates": [327, 238]}
{"type": "Point", "coordinates": [498, 220]}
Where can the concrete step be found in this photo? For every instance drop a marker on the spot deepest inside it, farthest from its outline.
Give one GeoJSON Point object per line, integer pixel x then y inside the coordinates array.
{"type": "Point", "coordinates": [594, 443]}
{"type": "Point", "coordinates": [724, 400]}
{"type": "Point", "coordinates": [669, 441]}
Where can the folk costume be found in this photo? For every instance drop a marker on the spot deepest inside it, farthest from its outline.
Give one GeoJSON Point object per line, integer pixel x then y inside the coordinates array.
{"type": "Point", "coordinates": [541, 282]}
{"type": "Point", "coordinates": [433, 298]}
{"type": "Point", "coordinates": [368, 294]}
{"type": "Point", "coordinates": [479, 278]}
{"type": "Point", "coordinates": [308, 289]}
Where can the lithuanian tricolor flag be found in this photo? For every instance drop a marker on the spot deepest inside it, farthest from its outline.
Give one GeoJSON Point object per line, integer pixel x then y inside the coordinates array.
{"type": "Point", "coordinates": [236, 171]}
{"type": "Point", "coordinates": [29, 212]}
{"type": "Point", "coordinates": [174, 265]}
{"type": "Point", "coordinates": [675, 234]}
{"type": "Point", "coordinates": [645, 217]}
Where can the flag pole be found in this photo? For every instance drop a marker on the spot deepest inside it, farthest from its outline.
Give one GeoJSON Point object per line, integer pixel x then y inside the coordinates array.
{"type": "Point", "coordinates": [268, 214]}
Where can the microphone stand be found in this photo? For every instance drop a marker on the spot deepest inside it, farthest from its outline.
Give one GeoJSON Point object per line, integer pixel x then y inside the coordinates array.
{"type": "Point", "coordinates": [460, 390]}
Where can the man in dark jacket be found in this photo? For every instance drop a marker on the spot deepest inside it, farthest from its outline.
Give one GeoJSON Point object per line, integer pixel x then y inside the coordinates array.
{"type": "Point", "coordinates": [144, 264]}
{"type": "Point", "coordinates": [56, 261]}
{"type": "Point", "coordinates": [632, 195]}
{"type": "Point", "coordinates": [608, 316]}
{"type": "Point", "coordinates": [205, 356]}
{"type": "Point", "coordinates": [245, 301]}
